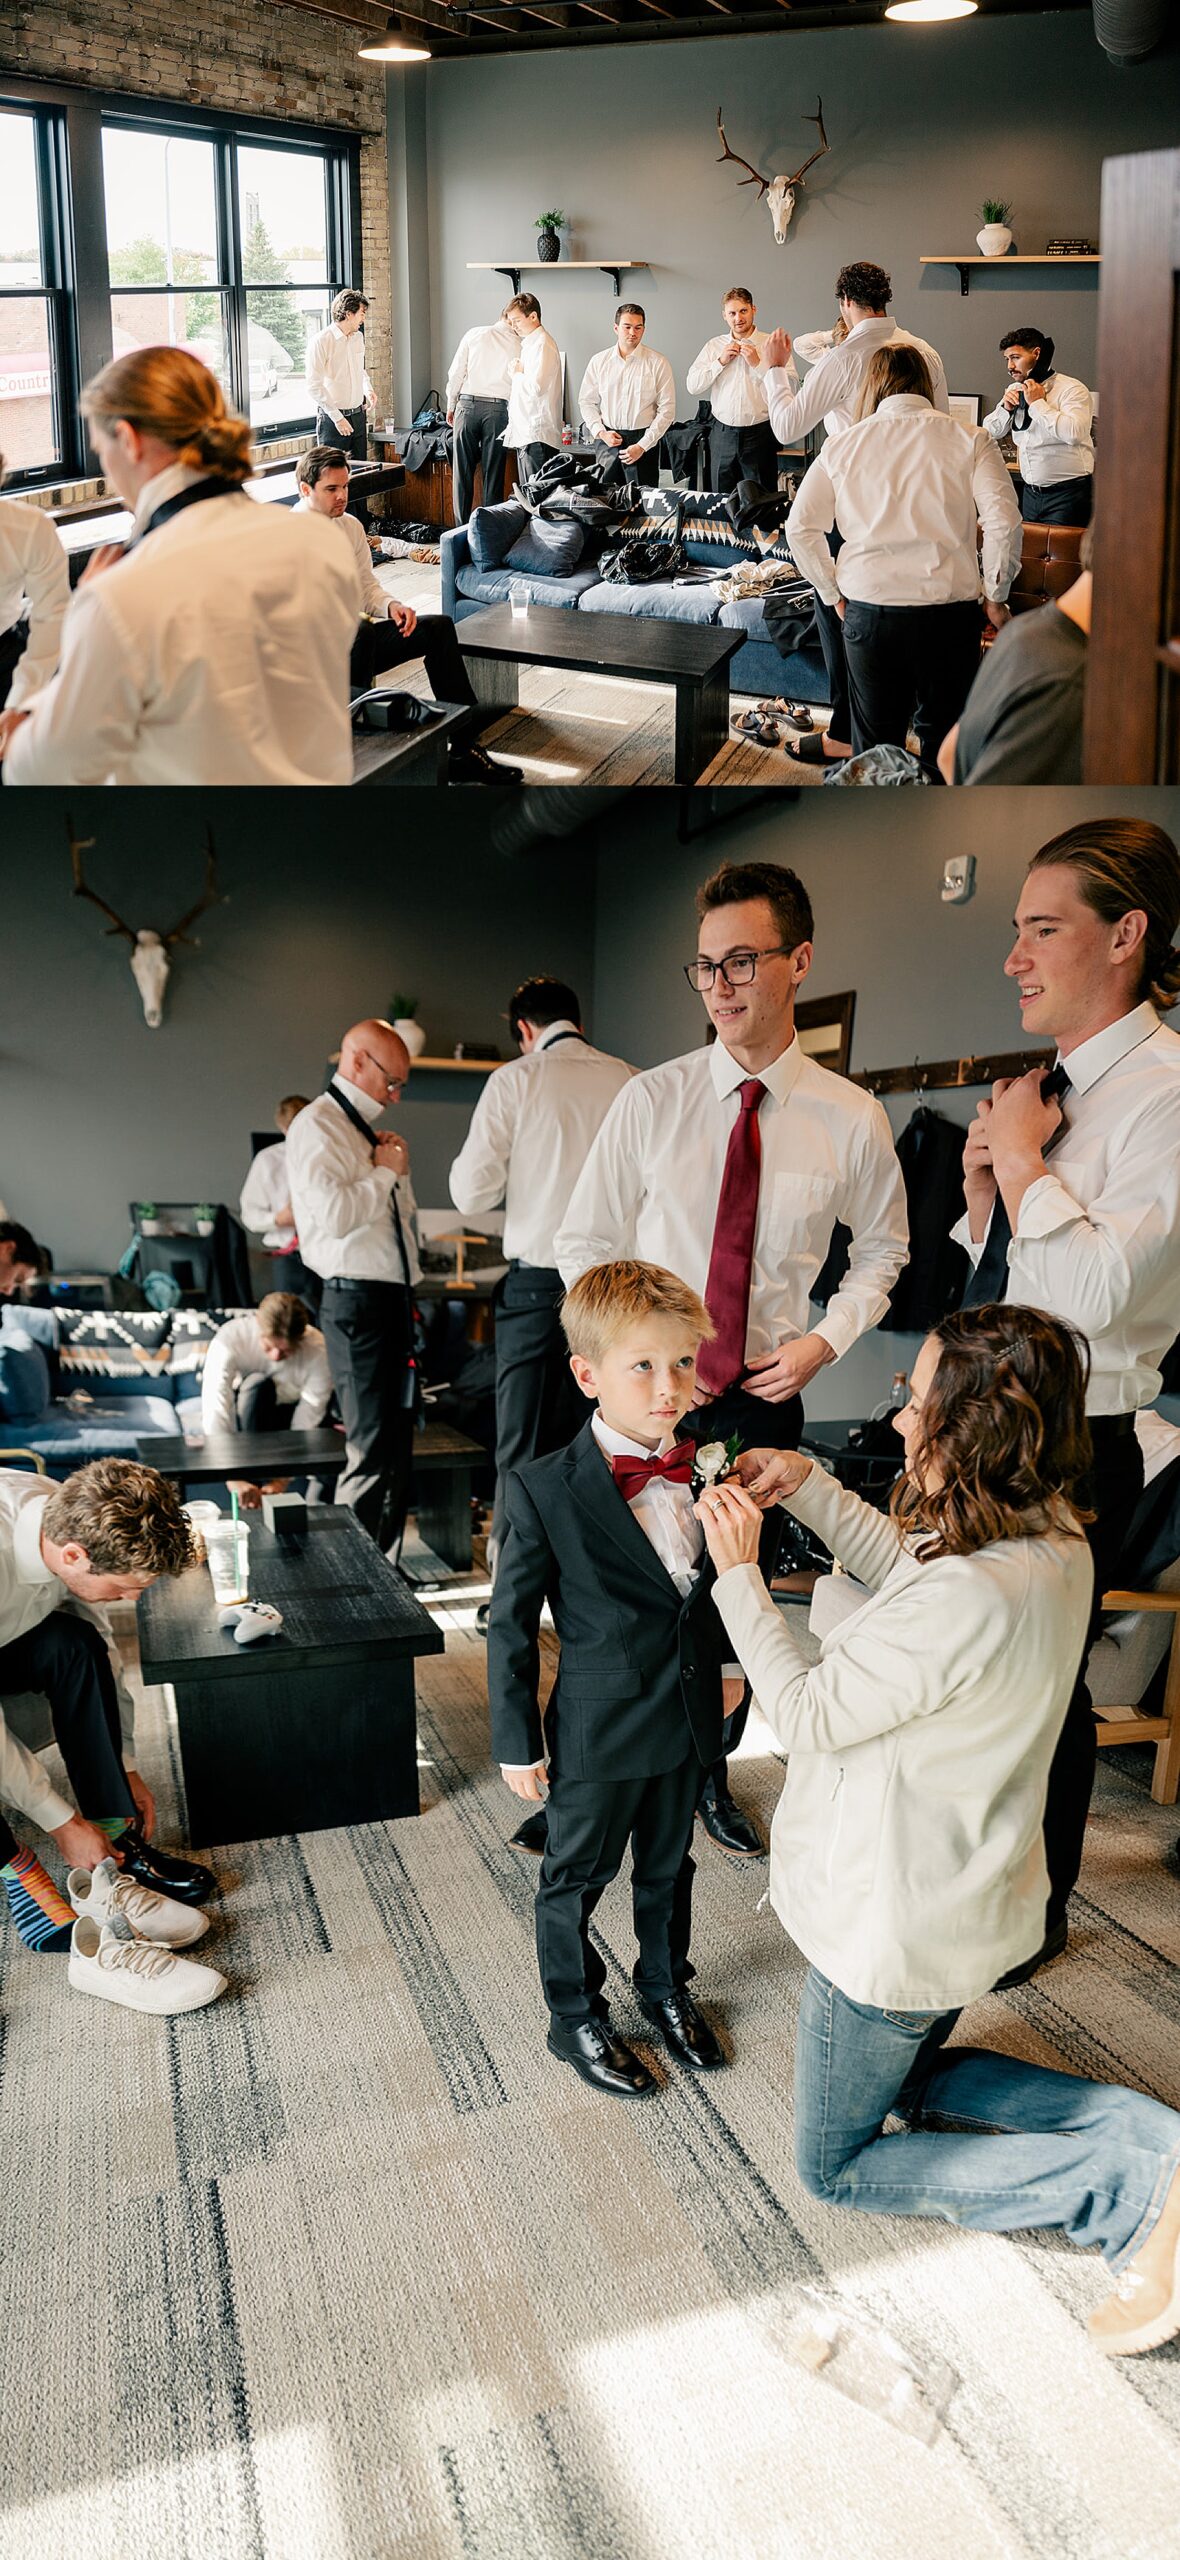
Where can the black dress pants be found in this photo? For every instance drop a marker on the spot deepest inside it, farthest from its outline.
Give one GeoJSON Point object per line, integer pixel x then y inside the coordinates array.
{"type": "Point", "coordinates": [538, 1407]}
{"type": "Point", "coordinates": [258, 1404]}
{"type": "Point", "coordinates": [354, 441]}
{"type": "Point", "coordinates": [647, 469]}
{"type": "Point", "coordinates": [13, 644]}
{"type": "Point", "coordinates": [368, 1334]}
{"type": "Point", "coordinates": [477, 440]}
{"type": "Point", "coordinates": [529, 457]}
{"type": "Point", "coordinates": [759, 1426]}
{"type": "Point", "coordinates": [1111, 1492]}
{"type": "Point", "coordinates": [909, 666]}
{"type": "Point", "coordinates": [289, 1271]}
{"type": "Point", "coordinates": [66, 1659]}
{"type": "Point", "coordinates": [591, 1821]}
{"type": "Point", "coordinates": [1063, 502]}
{"type": "Point", "coordinates": [742, 453]}
{"type": "Point", "coordinates": [378, 646]}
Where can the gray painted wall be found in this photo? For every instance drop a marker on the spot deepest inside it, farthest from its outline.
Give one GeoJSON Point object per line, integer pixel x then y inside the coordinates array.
{"type": "Point", "coordinates": [923, 122]}
{"type": "Point", "coordinates": [329, 912]}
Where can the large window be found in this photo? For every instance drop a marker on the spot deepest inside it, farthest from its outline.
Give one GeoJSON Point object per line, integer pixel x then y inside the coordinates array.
{"type": "Point", "coordinates": [31, 386]}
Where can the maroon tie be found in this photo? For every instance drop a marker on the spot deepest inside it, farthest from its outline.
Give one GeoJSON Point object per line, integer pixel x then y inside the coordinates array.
{"type": "Point", "coordinates": [631, 1474]}
{"type": "Point", "coordinates": [727, 1289]}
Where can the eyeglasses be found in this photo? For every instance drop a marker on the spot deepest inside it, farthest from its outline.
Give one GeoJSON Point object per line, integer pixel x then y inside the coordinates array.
{"type": "Point", "coordinates": [393, 1084]}
{"type": "Point", "coordinates": [737, 968]}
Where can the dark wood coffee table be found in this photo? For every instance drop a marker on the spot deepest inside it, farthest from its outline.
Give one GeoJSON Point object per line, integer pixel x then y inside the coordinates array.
{"type": "Point", "coordinates": [316, 1726]}
{"type": "Point", "coordinates": [692, 657]}
{"type": "Point", "coordinates": [254, 1456]}
{"type": "Point", "coordinates": [408, 755]}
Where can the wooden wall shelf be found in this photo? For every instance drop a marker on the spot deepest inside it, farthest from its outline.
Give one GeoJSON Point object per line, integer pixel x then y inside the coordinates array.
{"type": "Point", "coordinates": [613, 267]}
{"type": "Point", "coordinates": [459, 1066]}
{"type": "Point", "coordinates": [965, 265]}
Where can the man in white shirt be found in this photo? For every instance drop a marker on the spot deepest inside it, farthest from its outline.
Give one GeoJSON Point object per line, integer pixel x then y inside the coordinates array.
{"type": "Point", "coordinates": [478, 385]}
{"type": "Point", "coordinates": [34, 593]}
{"type": "Point", "coordinates": [265, 1208]}
{"type": "Point", "coordinates": [1073, 1192]}
{"type": "Point", "coordinates": [1050, 418]}
{"type": "Point", "coordinates": [730, 372]}
{"type": "Point", "coordinates": [731, 1166]}
{"type": "Point", "coordinates": [530, 1134]}
{"type": "Point", "coordinates": [907, 487]}
{"type": "Point", "coordinates": [338, 385]}
{"type": "Point", "coordinates": [535, 395]}
{"type": "Point", "coordinates": [20, 1257]}
{"type": "Point", "coordinates": [391, 634]}
{"type": "Point", "coordinates": [266, 1370]}
{"type": "Point", "coordinates": [628, 397]}
{"type": "Point", "coordinates": [354, 1209]}
{"type": "Point", "coordinates": [830, 396]}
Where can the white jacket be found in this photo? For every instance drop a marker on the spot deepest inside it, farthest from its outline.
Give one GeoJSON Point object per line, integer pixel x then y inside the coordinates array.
{"type": "Point", "coordinates": [906, 1856]}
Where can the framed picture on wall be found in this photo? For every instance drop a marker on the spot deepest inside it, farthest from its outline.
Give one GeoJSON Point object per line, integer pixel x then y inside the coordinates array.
{"type": "Point", "coordinates": [967, 407]}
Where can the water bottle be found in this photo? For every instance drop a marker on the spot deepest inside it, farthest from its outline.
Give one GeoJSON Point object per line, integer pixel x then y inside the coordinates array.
{"type": "Point", "coordinates": [897, 1398]}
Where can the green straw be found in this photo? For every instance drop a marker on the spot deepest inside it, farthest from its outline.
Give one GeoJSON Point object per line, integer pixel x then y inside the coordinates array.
{"type": "Point", "coordinates": [234, 1507]}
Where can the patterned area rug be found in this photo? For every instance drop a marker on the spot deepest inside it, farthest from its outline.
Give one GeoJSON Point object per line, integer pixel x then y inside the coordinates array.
{"type": "Point", "coordinates": [347, 2266]}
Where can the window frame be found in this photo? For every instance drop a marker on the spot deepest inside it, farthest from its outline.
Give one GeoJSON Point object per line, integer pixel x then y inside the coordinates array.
{"type": "Point", "coordinates": [56, 289]}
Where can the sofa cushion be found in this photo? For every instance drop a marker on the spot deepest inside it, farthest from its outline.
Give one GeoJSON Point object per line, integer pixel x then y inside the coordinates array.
{"type": "Point", "coordinates": [113, 1354]}
{"type": "Point", "coordinates": [547, 550]}
{"type": "Point", "coordinates": [492, 531]}
{"type": "Point", "coordinates": [497, 586]}
{"type": "Point", "coordinates": [193, 1329]}
{"type": "Point", "coordinates": [39, 1322]}
{"type": "Point", "coordinates": [24, 1378]}
{"type": "Point", "coordinates": [67, 1439]}
{"type": "Point", "coordinates": [654, 603]}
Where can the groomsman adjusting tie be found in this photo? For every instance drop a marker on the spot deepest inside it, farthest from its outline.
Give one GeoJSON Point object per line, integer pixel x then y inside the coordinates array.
{"type": "Point", "coordinates": [730, 372]}
{"type": "Point", "coordinates": [628, 397]}
{"type": "Point", "coordinates": [731, 1166]}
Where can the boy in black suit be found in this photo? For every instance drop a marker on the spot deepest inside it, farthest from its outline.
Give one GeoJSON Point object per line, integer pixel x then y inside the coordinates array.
{"type": "Point", "coordinates": [605, 1530]}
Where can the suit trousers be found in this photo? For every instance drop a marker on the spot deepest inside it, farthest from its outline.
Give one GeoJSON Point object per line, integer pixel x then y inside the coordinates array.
{"type": "Point", "coordinates": [66, 1660]}
{"type": "Point", "coordinates": [742, 453]}
{"type": "Point", "coordinates": [1111, 1492]}
{"type": "Point", "coordinates": [909, 666]}
{"type": "Point", "coordinates": [13, 644]}
{"type": "Point", "coordinates": [368, 1333]}
{"type": "Point", "coordinates": [831, 641]}
{"type": "Point", "coordinates": [478, 440]}
{"type": "Point", "coordinates": [538, 1407]}
{"type": "Point", "coordinates": [529, 457]}
{"type": "Point", "coordinates": [289, 1271]}
{"type": "Point", "coordinates": [378, 646]}
{"type": "Point", "coordinates": [591, 1821]}
{"type": "Point", "coordinates": [759, 1426]}
{"type": "Point", "coordinates": [355, 443]}
{"type": "Point", "coordinates": [647, 469]}
{"type": "Point", "coordinates": [1063, 502]}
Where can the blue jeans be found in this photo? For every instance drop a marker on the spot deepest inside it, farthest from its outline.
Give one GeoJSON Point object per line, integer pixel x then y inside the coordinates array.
{"type": "Point", "coordinates": [1030, 2149]}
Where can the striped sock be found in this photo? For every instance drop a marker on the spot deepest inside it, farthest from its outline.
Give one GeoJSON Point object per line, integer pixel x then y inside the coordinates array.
{"type": "Point", "coordinates": [114, 1825]}
{"type": "Point", "coordinates": [43, 1919]}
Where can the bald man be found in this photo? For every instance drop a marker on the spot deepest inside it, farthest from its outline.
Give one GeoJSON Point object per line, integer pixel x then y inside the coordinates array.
{"type": "Point", "coordinates": [354, 1216]}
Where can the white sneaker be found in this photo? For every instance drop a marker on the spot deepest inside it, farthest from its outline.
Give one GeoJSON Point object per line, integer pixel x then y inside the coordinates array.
{"type": "Point", "coordinates": [124, 1907]}
{"type": "Point", "coordinates": [137, 1975]}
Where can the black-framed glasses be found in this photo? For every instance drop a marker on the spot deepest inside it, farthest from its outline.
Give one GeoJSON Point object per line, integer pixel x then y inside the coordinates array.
{"type": "Point", "coordinates": [393, 1084]}
{"type": "Point", "coordinates": [737, 968]}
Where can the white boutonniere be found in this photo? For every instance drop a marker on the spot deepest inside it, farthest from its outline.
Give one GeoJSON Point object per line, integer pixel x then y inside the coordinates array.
{"type": "Point", "coordinates": [714, 1461]}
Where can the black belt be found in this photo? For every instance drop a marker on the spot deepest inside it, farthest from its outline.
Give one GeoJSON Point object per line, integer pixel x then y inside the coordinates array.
{"type": "Point", "coordinates": [344, 1282]}
{"type": "Point", "coordinates": [1111, 1426]}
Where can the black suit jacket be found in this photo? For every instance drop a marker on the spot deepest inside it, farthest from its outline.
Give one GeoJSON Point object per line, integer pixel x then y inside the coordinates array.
{"type": "Point", "coordinates": [639, 1681]}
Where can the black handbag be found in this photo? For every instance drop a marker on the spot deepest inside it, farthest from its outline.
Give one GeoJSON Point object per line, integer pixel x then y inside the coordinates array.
{"type": "Point", "coordinates": [385, 708]}
{"type": "Point", "coordinates": [641, 560]}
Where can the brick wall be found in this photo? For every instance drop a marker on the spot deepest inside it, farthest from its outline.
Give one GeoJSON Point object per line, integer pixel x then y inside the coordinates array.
{"type": "Point", "coordinates": [235, 55]}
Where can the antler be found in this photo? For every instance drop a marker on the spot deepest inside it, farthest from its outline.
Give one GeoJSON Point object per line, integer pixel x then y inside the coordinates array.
{"type": "Point", "coordinates": [85, 844]}
{"type": "Point", "coordinates": [797, 178]}
{"type": "Point", "coordinates": [210, 896]}
{"type": "Point", "coordinates": [755, 178]}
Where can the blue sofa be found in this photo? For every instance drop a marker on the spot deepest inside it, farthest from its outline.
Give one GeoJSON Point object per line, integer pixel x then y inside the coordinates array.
{"type": "Point", "coordinates": [756, 668]}
{"type": "Point", "coordinates": [103, 1379]}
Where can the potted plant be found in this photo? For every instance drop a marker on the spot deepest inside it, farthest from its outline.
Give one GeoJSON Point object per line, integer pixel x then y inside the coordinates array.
{"type": "Point", "coordinates": [402, 1010]}
{"type": "Point", "coordinates": [206, 1216]}
{"type": "Point", "coordinates": [995, 239]}
{"type": "Point", "coordinates": [150, 1221]}
{"type": "Point", "coordinates": [549, 225]}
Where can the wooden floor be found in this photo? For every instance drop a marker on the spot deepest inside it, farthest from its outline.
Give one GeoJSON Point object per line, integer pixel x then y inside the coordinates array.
{"type": "Point", "coordinates": [584, 728]}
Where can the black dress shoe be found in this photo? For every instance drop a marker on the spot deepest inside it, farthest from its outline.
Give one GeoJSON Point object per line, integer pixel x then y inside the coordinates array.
{"type": "Point", "coordinates": [472, 763]}
{"type": "Point", "coordinates": [686, 2033]}
{"type": "Point", "coordinates": [1054, 1945]}
{"type": "Point", "coordinates": [180, 1877]}
{"type": "Point", "coordinates": [732, 1830]}
{"type": "Point", "coordinates": [533, 1833]}
{"type": "Point", "coordinates": [597, 2056]}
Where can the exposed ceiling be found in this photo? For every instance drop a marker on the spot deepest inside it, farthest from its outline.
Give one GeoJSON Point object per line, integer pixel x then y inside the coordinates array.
{"type": "Point", "coordinates": [459, 28]}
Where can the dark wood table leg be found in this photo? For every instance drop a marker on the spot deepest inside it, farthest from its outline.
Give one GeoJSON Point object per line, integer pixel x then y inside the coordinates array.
{"type": "Point", "coordinates": [444, 1515]}
{"type": "Point", "coordinates": [293, 1748]}
{"type": "Point", "coordinates": [495, 681]}
{"type": "Point", "coordinates": [702, 722]}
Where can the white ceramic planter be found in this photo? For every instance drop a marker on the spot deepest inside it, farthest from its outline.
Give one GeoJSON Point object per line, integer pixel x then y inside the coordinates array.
{"type": "Point", "coordinates": [994, 241]}
{"type": "Point", "coordinates": [413, 1035]}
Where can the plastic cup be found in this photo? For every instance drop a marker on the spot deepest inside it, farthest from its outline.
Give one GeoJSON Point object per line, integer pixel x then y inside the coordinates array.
{"type": "Point", "coordinates": [227, 1547]}
{"type": "Point", "coordinates": [518, 598]}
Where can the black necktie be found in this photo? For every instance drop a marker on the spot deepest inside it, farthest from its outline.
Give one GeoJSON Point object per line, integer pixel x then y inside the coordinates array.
{"type": "Point", "coordinates": [194, 496]}
{"type": "Point", "coordinates": [361, 1124]}
{"type": "Point", "coordinates": [988, 1283]}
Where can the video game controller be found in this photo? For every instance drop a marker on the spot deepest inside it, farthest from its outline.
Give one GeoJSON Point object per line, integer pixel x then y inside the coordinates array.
{"type": "Point", "coordinates": [251, 1620]}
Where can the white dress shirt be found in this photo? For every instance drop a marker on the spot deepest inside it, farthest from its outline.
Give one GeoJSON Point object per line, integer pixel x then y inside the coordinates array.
{"type": "Point", "coordinates": [373, 599]}
{"type": "Point", "coordinates": [267, 1187]}
{"type": "Point", "coordinates": [302, 1379]}
{"type": "Point", "coordinates": [29, 1592]}
{"type": "Point", "coordinates": [737, 392]}
{"type": "Point", "coordinates": [215, 651]}
{"type": "Point", "coordinates": [1058, 442]}
{"type": "Point", "coordinates": [636, 390]}
{"type": "Point", "coordinates": [341, 1199]}
{"type": "Point", "coordinates": [481, 367]}
{"type": "Point", "coordinates": [833, 387]}
{"type": "Point", "coordinates": [652, 1180]}
{"type": "Point", "coordinates": [531, 1132]}
{"type": "Point", "coordinates": [336, 376]}
{"type": "Point", "coordinates": [35, 583]}
{"type": "Point", "coordinates": [906, 1853]}
{"type": "Point", "coordinates": [907, 488]}
{"type": "Point", "coordinates": [1097, 1240]}
{"type": "Point", "coordinates": [535, 393]}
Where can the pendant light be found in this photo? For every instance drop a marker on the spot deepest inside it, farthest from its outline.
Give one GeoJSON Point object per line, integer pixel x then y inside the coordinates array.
{"type": "Point", "coordinates": [401, 42]}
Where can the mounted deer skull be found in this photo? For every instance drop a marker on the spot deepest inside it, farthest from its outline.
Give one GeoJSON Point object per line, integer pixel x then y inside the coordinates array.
{"type": "Point", "coordinates": [150, 951]}
{"type": "Point", "coordinates": [779, 192]}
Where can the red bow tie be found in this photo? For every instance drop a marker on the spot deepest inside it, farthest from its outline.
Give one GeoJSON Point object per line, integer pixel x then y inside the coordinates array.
{"type": "Point", "coordinates": [631, 1474]}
